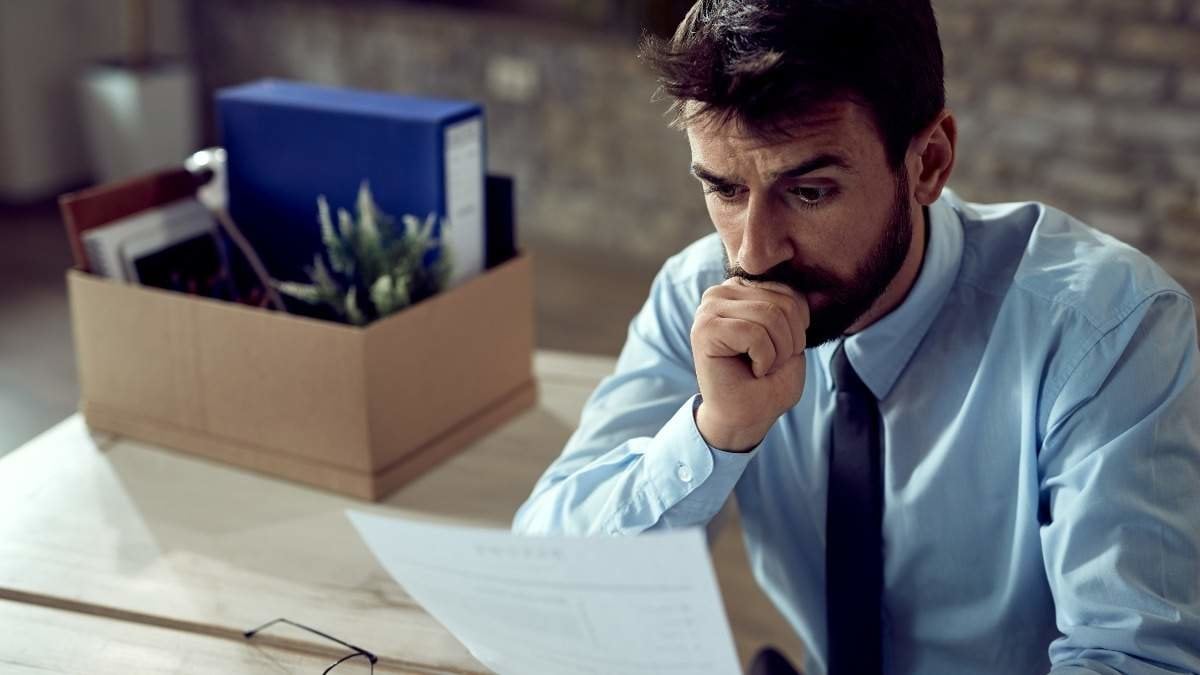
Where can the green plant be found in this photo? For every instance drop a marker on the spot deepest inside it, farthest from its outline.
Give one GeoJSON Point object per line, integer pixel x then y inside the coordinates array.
{"type": "Point", "coordinates": [372, 269]}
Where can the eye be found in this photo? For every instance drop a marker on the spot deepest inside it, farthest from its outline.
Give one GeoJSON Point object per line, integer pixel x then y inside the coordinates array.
{"type": "Point", "coordinates": [811, 195]}
{"type": "Point", "coordinates": [725, 193]}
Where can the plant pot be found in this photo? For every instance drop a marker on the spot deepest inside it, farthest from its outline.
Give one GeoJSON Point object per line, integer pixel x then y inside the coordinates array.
{"type": "Point", "coordinates": [137, 119]}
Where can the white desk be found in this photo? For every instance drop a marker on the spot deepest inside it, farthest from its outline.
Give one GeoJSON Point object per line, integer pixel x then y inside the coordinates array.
{"type": "Point", "coordinates": [114, 529]}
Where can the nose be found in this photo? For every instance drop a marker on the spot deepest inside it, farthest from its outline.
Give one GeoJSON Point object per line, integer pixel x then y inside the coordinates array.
{"type": "Point", "coordinates": [765, 241]}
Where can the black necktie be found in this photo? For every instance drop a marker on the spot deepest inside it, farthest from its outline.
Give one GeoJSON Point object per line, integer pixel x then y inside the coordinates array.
{"type": "Point", "coordinates": [854, 528]}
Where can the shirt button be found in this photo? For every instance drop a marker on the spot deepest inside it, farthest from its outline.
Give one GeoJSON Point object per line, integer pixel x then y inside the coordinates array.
{"type": "Point", "coordinates": [684, 472]}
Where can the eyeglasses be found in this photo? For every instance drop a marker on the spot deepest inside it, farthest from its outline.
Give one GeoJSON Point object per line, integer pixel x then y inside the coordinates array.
{"type": "Point", "coordinates": [358, 651]}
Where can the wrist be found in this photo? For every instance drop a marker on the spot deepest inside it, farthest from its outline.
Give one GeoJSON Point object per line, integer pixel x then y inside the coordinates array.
{"type": "Point", "coordinates": [724, 437]}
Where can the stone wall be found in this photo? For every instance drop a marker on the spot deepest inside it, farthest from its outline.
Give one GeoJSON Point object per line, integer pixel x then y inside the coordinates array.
{"type": "Point", "coordinates": [1090, 105]}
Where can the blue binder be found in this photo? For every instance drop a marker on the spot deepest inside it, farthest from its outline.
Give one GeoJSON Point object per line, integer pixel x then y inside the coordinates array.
{"type": "Point", "coordinates": [289, 142]}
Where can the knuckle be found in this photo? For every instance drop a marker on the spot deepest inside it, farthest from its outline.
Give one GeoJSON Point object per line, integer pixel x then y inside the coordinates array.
{"type": "Point", "coordinates": [762, 336]}
{"type": "Point", "coordinates": [760, 307]}
{"type": "Point", "coordinates": [776, 315]}
{"type": "Point", "coordinates": [772, 315]}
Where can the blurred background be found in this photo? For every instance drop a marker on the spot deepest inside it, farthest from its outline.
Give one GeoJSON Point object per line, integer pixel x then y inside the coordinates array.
{"type": "Point", "coordinates": [1090, 105]}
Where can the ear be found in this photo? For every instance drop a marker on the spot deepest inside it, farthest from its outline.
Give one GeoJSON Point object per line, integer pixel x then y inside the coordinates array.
{"type": "Point", "coordinates": [931, 158]}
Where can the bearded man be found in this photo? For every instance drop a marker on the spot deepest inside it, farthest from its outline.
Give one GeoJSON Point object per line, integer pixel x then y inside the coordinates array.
{"type": "Point", "coordinates": [963, 438]}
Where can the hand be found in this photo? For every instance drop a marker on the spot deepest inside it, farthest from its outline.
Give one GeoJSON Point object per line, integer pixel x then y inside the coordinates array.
{"type": "Point", "coordinates": [748, 342]}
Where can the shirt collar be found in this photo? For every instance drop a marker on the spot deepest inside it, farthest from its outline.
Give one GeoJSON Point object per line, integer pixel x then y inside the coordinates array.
{"type": "Point", "coordinates": [880, 353]}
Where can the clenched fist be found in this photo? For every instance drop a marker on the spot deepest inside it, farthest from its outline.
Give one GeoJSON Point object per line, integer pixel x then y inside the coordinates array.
{"type": "Point", "coordinates": [748, 343]}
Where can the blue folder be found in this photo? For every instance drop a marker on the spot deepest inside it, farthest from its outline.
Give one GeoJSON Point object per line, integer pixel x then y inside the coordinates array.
{"type": "Point", "coordinates": [289, 142]}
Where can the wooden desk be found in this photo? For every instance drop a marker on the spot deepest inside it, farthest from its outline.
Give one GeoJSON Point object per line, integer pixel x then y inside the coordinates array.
{"type": "Point", "coordinates": [113, 528]}
{"type": "Point", "coordinates": [47, 641]}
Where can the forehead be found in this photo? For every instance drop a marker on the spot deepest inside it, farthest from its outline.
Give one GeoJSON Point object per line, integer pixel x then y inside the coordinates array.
{"type": "Point", "coordinates": [842, 127]}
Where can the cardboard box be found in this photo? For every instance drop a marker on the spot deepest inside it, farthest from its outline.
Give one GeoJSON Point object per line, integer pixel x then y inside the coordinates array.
{"type": "Point", "coordinates": [359, 411]}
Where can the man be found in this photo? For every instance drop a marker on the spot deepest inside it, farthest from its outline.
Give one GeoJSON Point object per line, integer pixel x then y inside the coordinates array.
{"type": "Point", "coordinates": [963, 438]}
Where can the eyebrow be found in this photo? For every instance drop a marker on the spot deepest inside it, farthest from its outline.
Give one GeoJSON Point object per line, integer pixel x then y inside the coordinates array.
{"type": "Point", "coordinates": [822, 161]}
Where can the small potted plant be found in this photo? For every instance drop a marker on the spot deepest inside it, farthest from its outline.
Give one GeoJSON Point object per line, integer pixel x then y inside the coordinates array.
{"type": "Point", "coordinates": [370, 268]}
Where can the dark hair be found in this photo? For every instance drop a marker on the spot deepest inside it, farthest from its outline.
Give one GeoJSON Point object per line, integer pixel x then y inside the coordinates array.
{"type": "Point", "coordinates": [767, 62]}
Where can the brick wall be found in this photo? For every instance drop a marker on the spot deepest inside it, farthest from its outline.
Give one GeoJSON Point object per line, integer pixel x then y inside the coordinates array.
{"type": "Point", "coordinates": [595, 165]}
{"type": "Point", "coordinates": [1089, 105]}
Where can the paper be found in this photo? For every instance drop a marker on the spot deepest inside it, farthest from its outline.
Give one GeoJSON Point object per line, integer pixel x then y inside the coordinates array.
{"type": "Point", "coordinates": [645, 605]}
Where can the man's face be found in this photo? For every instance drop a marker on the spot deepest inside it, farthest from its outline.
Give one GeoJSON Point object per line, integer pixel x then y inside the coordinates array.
{"type": "Point", "coordinates": [820, 210]}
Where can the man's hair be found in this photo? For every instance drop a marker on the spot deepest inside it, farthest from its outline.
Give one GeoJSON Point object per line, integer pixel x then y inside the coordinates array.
{"type": "Point", "coordinates": [766, 63]}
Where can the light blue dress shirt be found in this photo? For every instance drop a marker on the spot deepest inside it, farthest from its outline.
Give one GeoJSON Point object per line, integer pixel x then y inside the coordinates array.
{"type": "Point", "coordinates": [1040, 394]}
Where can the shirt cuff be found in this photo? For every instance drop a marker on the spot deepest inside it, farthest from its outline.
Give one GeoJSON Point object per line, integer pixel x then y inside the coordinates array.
{"type": "Point", "coordinates": [682, 465]}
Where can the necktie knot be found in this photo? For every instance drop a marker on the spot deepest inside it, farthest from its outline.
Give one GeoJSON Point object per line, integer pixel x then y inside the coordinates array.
{"type": "Point", "coordinates": [845, 379]}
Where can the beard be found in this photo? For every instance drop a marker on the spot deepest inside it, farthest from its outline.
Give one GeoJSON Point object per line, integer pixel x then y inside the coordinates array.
{"type": "Point", "coordinates": [848, 299]}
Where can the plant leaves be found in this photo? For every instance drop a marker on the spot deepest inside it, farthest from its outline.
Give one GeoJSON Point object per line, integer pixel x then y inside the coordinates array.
{"type": "Point", "coordinates": [371, 260]}
{"type": "Point", "coordinates": [339, 257]}
{"type": "Point", "coordinates": [381, 295]}
{"type": "Point", "coordinates": [304, 292]}
{"type": "Point", "coordinates": [352, 311]}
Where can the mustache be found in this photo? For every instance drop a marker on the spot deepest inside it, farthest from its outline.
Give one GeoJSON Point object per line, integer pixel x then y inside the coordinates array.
{"type": "Point", "coordinates": [804, 279]}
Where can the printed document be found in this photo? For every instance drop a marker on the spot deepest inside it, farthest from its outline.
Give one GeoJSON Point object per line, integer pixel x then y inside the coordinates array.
{"type": "Point", "coordinates": [644, 605]}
